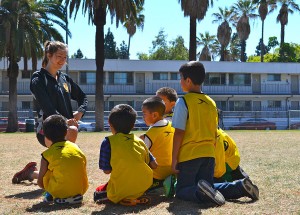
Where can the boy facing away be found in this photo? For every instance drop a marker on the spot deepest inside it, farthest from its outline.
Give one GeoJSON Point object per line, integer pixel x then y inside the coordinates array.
{"type": "Point", "coordinates": [62, 172]}
{"type": "Point", "coordinates": [195, 121]}
{"type": "Point", "coordinates": [227, 160]}
{"type": "Point", "coordinates": [159, 140]}
{"type": "Point", "coordinates": [169, 96]}
{"type": "Point", "coordinates": [127, 159]}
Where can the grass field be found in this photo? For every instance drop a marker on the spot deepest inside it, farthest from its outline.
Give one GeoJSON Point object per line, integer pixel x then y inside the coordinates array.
{"type": "Point", "coordinates": [271, 158]}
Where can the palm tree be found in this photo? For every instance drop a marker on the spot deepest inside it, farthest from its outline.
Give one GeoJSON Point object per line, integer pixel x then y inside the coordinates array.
{"type": "Point", "coordinates": [132, 22]}
{"type": "Point", "coordinates": [25, 25]}
{"type": "Point", "coordinates": [243, 10]}
{"type": "Point", "coordinates": [97, 15]}
{"type": "Point", "coordinates": [196, 10]}
{"type": "Point", "coordinates": [224, 30]}
{"type": "Point", "coordinates": [207, 41]}
{"type": "Point", "coordinates": [287, 6]}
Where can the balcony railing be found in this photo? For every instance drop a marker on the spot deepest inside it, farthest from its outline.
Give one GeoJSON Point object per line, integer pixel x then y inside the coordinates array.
{"type": "Point", "coordinates": [150, 89]}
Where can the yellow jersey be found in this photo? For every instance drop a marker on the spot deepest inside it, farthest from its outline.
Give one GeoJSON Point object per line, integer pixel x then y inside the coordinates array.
{"type": "Point", "coordinates": [131, 175]}
{"type": "Point", "coordinates": [201, 127]}
{"type": "Point", "coordinates": [161, 138]}
{"type": "Point", "coordinates": [66, 175]}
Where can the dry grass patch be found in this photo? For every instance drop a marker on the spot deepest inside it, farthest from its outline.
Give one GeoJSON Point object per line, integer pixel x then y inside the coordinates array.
{"type": "Point", "coordinates": [271, 158]}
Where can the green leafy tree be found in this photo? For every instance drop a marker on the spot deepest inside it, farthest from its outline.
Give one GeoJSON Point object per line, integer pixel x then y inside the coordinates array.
{"type": "Point", "coordinates": [273, 42]}
{"type": "Point", "coordinates": [110, 51]}
{"type": "Point", "coordinates": [244, 10]}
{"type": "Point", "coordinates": [96, 11]}
{"type": "Point", "coordinates": [196, 10]}
{"type": "Point", "coordinates": [122, 52]}
{"type": "Point", "coordinates": [177, 49]}
{"type": "Point", "coordinates": [159, 47]}
{"type": "Point", "coordinates": [25, 26]}
{"type": "Point", "coordinates": [259, 51]}
{"type": "Point", "coordinates": [133, 22]}
{"type": "Point", "coordinates": [78, 54]}
{"type": "Point", "coordinates": [207, 41]}
{"type": "Point", "coordinates": [287, 7]}
{"type": "Point", "coordinates": [224, 30]}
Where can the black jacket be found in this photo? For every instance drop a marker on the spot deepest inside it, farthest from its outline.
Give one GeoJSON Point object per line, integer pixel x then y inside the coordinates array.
{"type": "Point", "coordinates": [54, 96]}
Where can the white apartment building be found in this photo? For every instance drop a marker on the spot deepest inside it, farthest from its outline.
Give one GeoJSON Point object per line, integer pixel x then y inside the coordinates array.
{"type": "Point", "coordinates": [235, 86]}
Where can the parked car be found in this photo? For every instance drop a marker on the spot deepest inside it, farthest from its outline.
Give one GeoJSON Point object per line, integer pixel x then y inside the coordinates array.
{"type": "Point", "coordinates": [254, 124]}
{"type": "Point", "coordinates": [4, 123]}
{"type": "Point", "coordinates": [294, 126]}
{"type": "Point", "coordinates": [86, 126]}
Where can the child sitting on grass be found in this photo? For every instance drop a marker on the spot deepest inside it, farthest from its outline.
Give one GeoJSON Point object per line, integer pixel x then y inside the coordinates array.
{"type": "Point", "coordinates": [63, 165]}
{"type": "Point", "coordinates": [227, 166]}
{"type": "Point", "coordinates": [159, 140]}
{"type": "Point", "coordinates": [169, 96]}
{"type": "Point", "coordinates": [127, 159]}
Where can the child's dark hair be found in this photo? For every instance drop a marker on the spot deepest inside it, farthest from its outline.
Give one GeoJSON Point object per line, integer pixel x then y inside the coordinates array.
{"type": "Point", "coordinates": [155, 104]}
{"type": "Point", "coordinates": [122, 117]}
{"type": "Point", "coordinates": [168, 92]}
{"type": "Point", "coordinates": [193, 70]}
{"type": "Point", "coordinates": [51, 47]}
{"type": "Point", "coordinates": [55, 128]}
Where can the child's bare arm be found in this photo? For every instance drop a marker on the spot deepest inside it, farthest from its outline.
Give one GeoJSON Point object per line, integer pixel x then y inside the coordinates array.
{"type": "Point", "coordinates": [153, 164]}
{"type": "Point", "coordinates": [177, 140]}
{"type": "Point", "coordinates": [142, 136]}
{"type": "Point", "coordinates": [42, 172]}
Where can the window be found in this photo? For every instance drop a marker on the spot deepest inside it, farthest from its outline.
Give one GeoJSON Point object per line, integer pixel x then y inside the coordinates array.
{"type": "Point", "coordinates": [87, 77]}
{"type": "Point", "coordinates": [120, 78]}
{"type": "Point", "coordinates": [239, 105]}
{"type": "Point", "coordinates": [240, 79]}
{"type": "Point", "coordinates": [221, 105]}
{"type": "Point", "coordinates": [160, 76]}
{"type": "Point", "coordinates": [274, 77]}
{"type": "Point", "coordinates": [26, 105]}
{"type": "Point", "coordinates": [175, 76]}
{"type": "Point", "coordinates": [274, 104]}
{"type": "Point", "coordinates": [215, 79]}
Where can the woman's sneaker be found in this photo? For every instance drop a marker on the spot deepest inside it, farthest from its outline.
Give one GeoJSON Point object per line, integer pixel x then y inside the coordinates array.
{"type": "Point", "coordinates": [25, 173]}
{"type": "Point", "coordinates": [251, 189]}
{"type": "Point", "coordinates": [66, 201]}
{"type": "Point", "coordinates": [214, 195]}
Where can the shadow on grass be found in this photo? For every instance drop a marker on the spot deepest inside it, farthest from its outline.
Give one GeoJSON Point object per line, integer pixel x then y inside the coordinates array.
{"type": "Point", "coordinates": [27, 195]}
{"type": "Point", "coordinates": [48, 207]}
{"type": "Point", "coordinates": [111, 208]}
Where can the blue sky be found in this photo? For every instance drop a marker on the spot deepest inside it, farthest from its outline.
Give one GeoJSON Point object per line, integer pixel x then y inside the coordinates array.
{"type": "Point", "coordinates": [167, 15]}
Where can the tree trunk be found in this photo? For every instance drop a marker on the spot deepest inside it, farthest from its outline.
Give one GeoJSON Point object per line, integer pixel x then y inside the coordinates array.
{"type": "Point", "coordinates": [262, 46]}
{"type": "Point", "coordinates": [281, 41]}
{"type": "Point", "coordinates": [243, 48]}
{"type": "Point", "coordinates": [100, 20]}
{"type": "Point", "coordinates": [129, 38]}
{"type": "Point", "coordinates": [222, 53]}
{"type": "Point", "coordinates": [193, 28]}
{"type": "Point", "coordinates": [13, 71]}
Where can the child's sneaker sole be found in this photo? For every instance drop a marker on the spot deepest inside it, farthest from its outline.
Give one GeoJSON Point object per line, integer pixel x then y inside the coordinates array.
{"type": "Point", "coordinates": [212, 194]}
{"type": "Point", "coordinates": [72, 200]}
{"type": "Point", "coordinates": [133, 202]}
{"type": "Point", "coordinates": [251, 189]}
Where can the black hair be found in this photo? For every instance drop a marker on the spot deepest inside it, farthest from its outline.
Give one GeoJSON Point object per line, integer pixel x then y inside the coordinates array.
{"type": "Point", "coordinates": [169, 92]}
{"type": "Point", "coordinates": [155, 104]}
{"type": "Point", "coordinates": [55, 128]}
{"type": "Point", "coordinates": [193, 70]}
{"type": "Point", "coordinates": [122, 117]}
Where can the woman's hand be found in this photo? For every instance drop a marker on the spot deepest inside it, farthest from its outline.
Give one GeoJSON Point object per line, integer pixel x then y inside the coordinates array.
{"type": "Point", "coordinates": [77, 115]}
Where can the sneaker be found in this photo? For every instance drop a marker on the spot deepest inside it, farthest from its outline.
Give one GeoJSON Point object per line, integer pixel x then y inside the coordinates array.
{"type": "Point", "coordinates": [100, 197]}
{"type": "Point", "coordinates": [211, 193]}
{"type": "Point", "coordinates": [66, 201]}
{"type": "Point", "coordinates": [170, 185]}
{"type": "Point", "coordinates": [133, 202]}
{"type": "Point", "coordinates": [47, 197]}
{"type": "Point", "coordinates": [25, 174]}
{"type": "Point", "coordinates": [251, 189]}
